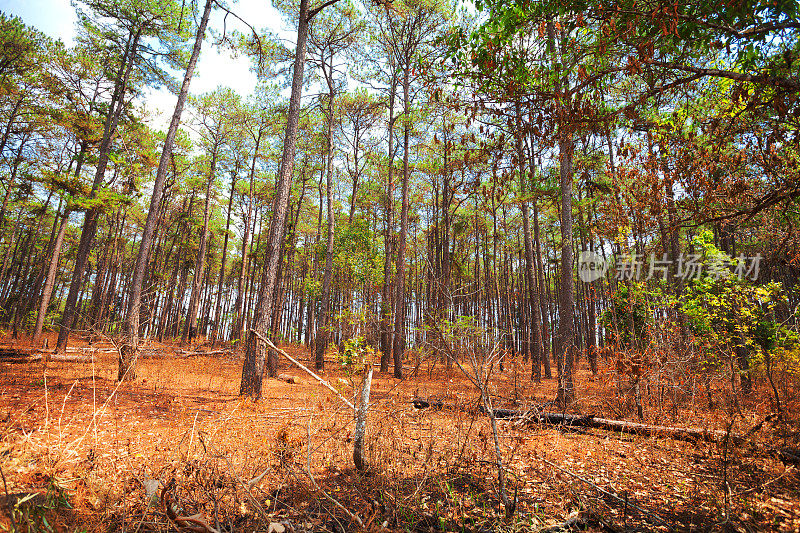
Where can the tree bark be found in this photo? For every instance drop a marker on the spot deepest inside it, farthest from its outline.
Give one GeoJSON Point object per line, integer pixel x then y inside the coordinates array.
{"type": "Point", "coordinates": [537, 349]}
{"type": "Point", "coordinates": [622, 426]}
{"type": "Point", "coordinates": [218, 309]}
{"type": "Point", "coordinates": [387, 302]}
{"type": "Point", "coordinates": [238, 329]}
{"type": "Point", "coordinates": [566, 312]}
{"type": "Point", "coordinates": [47, 292]}
{"type": "Point", "coordinates": [361, 421]}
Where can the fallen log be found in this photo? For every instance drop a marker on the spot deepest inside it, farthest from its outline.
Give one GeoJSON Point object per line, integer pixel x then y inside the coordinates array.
{"type": "Point", "coordinates": [183, 353]}
{"type": "Point", "coordinates": [89, 349]}
{"type": "Point", "coordinates": [60, 358]}
{"type": "Point", "coordinates": [420, 403]}
{"type": "Point", "coordinates": [158, 353]}
{"type": "Point", "coordinates": [579, 521]}
{"type": "Point", "coordinates": [622, 426]}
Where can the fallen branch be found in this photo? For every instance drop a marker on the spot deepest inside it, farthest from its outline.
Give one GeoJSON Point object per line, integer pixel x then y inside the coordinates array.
{"type": "Point", "coordinates": [622, 426]}
{"type": "Point", "coordinates": [195, 523]}
{"type": "Point", "coordinates": [233, 473]}
{"type": "Point", "coordinates": [289, 379]}
{"type": "Point", "coordinates": [305, 369]}
{"type": "Point", "coordinates": [92, 349]}
{"type": "Point", "coordinates": [419, 403]}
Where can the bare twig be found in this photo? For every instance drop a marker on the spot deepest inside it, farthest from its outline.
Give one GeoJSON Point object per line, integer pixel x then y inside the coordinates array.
{"type": "Point", "coordinates": [250, 497]}
{"type": "Point", "coordinates": [481, 382]}
{"type": "Point", "coordinates": [645, 512]}
{"type": "Point", "coordinates": [194, 523]}
{"type": "Point", "coordinates": [328, 497]}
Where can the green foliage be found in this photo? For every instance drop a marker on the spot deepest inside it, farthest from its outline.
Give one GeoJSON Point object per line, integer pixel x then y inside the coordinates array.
{"type": "Point", "coordinates": [356, 353]}
{"type": "Point", "coordinates": [462, 328]}
{"type": "Point", "coordinates": [165, 24]}
{"type": "Point", "coordinates": [104, 199]}
{"type": "Point", "coordinates": [633, 305]}
{"type": "Point", "coordinates": [726, 311]}
{"type": "Point", "coordinates": [312, 285]}
{"type": "Point", "coordinates": [356, 251]}
{"type": "Point", "coordinates": [18, 45]}
{"type": "Point", "coordinates": [32, 510]}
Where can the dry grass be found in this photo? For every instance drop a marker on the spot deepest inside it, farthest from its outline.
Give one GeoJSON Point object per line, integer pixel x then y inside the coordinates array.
{"type": "Point", "coordinates": [90, 447]}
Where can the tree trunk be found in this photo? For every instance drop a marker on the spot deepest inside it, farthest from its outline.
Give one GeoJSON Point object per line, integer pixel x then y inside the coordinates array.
{"type": "Point", "coordinates": [238, 329]}
{"type": "Point", "coordinates": [387, 305]}
{"type": "Point", "coordinates": [218, 310]}
{"type": "Point", "coordinates": [190, 326]}
{"type": "Point", "coordinates": [90, 219]}
{"type": "Point", "coordinates": [566, 322]}
{"type": "Point", "coordinates": [361, 420]}
{"type": "Point", "coordinates": [128, 352]}
{"type": "Point", "coordinates": [400, 294]}
{"type": "Point", "coordinates": [566, 311]}
{"type": "Point", "coordinates": [47, 292]}
{"type": "Point", "coordinates": [533, 295]}
{"type": "Point", "coordinates": [255, 356]}
{"type": "Point", "coordinates": [323, 327]}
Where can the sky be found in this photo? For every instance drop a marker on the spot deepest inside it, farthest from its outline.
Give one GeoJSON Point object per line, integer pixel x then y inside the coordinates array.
{"type": "Point", "coordinates": [57, 19]}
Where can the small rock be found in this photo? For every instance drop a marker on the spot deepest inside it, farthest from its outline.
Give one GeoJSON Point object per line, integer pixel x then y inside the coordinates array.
{"type": "Point", "coordinates": [289, 379]}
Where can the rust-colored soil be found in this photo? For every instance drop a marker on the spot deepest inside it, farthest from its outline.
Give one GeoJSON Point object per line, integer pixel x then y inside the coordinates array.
{"type": "Point", "coordinates": [90, 446]}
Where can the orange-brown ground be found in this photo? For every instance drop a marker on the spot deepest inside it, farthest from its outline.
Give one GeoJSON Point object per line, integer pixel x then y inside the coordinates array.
{"type": "Point", "coordinates": [89, 447]}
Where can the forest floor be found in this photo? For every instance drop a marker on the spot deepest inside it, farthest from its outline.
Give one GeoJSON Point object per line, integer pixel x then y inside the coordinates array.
{"type": "Point", "coordinates": [88, 454]}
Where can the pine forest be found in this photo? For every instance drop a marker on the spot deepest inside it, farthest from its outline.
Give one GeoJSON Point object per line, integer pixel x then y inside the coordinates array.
{"type": "Point", "coordinates": [400, 265]}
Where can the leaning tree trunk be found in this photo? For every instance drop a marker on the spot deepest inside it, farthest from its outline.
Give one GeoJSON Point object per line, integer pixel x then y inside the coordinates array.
{"type": "Point", "coordinates": [50, 279]}
{"type": "Point", "coordinates": [256, 353]}
{"type": "Point", "coordinates": [127, 359]}
{"type": "Point", "coordinates": [47, 292]}
{"type": "Point", "coordinates": [92, 215]}
{"type": "Point", "coordinates": [387, 305]}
